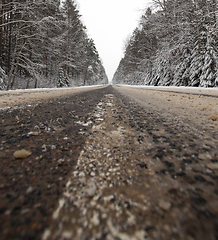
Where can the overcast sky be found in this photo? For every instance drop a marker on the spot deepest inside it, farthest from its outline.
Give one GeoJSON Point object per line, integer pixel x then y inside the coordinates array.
{"type": "Point", "coordinates": [109, 23]}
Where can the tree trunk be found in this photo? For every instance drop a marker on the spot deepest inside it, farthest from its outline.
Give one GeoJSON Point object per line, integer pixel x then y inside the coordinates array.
{"type": "Point", "coordinates": [28, 82]}
{"type": "Point", "coordinates": [85, 75]}
{"type": "Point", "coordinates": [36, 82]}
{"type": "Point", "coordinates": [13, 80]}
{"type": "Point", "coordinates": [10, 39]}
{"type": "Point", "coordinates": [1, 33]}
{"type": "Point", "coordinates": [14, 60]}
{"type": "Point", "coordinates": [56, 74]}
{"type": "Point", "coordinates": [27, 86]}
{"type": "Point", "coordinates": [16, 54]}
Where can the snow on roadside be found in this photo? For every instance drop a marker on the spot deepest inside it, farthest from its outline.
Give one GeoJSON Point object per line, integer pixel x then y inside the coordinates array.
{"type": "Point", "coordinates": [182, 89]}
{"type": "Point", "coordinates": [30, 90]}
{"type": "Point", "coordinates": [26, 96]}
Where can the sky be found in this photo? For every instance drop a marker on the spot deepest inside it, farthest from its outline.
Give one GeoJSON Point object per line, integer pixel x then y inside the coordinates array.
{"type": "Point", "coordinates": [109, 23]}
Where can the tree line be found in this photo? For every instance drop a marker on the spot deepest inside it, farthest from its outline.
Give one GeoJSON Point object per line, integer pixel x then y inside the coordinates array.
{"type": "Point", "coordinates": [44, 43]}
{"type": "Point", "coordinates": [175, 43]}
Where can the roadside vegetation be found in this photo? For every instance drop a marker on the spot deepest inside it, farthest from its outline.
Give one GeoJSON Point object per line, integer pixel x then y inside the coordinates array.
{"type": "Point", "coordinates": [175, 43]}
{"type": "Point", "coordinates": [44, 44]}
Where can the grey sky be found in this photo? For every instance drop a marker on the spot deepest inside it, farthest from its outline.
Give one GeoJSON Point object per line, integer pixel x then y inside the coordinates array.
{"type": "Point", "coordinates": [109, 23]}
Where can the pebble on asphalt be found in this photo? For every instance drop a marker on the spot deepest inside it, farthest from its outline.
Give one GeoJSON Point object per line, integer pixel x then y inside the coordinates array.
{"type": "Point", "coordinates": [165, 205]}
{"type": "Point", "coordinates": [20, 154]}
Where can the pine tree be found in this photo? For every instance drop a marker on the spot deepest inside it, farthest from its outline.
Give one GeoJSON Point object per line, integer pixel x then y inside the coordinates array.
{"type": "Point", "coordinates": [210, 63]}
{"type": "Point", "coordinates": [182, 66]}
{"type": "Point", "coordinates": [63, 81]}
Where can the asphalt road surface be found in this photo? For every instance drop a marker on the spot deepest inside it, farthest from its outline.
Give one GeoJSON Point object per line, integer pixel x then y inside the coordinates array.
{"type": "Point", "coordinates": [107, 164]}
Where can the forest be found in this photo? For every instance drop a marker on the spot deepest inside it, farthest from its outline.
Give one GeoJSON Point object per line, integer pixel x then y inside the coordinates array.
{"type": "Point", "coordinates": [43, 43]}
{"type": "Point", "coordinates": [174, 44]}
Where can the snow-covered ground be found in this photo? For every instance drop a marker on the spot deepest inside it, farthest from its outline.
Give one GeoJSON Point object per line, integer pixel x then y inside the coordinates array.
{"type": "Point", "coordinates": [191, 90]}
{"type": "Point", "coordinates": [17, 91]}
{"type": "Point", "coordinates": [27, 96]}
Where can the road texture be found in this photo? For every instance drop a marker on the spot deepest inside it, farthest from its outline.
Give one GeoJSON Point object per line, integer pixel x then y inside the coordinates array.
{"type": "Point", "coordinates": [109, 163]}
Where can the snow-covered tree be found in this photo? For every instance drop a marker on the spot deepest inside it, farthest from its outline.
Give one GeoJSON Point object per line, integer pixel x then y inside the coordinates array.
{"type": "Point", "coordinates": [184, 49]}
{"type": "Point", "coordinates": [63, 80]}
{"type": "Point", "coordinates": [210, 63]}
{"type": "Point", "coordinates": [41, 40]}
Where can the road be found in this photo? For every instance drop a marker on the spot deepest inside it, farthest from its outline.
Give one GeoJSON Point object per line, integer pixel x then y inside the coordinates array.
{"type": "Point", "coordinates": [110, 163]}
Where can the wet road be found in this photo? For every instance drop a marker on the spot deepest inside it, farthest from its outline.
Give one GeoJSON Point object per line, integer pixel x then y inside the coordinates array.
{"type": "Point", "coordinates": [110, 163]}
